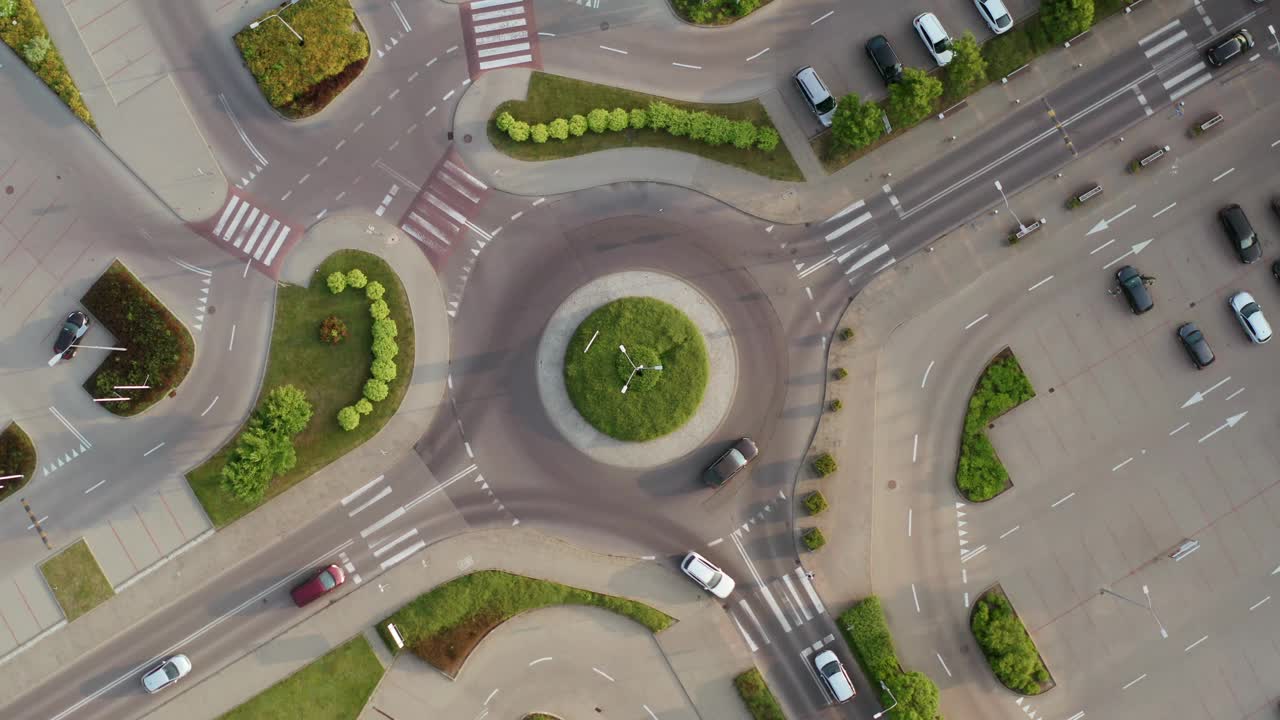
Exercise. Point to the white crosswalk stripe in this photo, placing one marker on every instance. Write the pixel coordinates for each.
(438, 216)
(242, 224)
(502, 33)
(1181, 75)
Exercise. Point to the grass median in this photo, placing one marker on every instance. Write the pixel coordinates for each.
(715, 12)
(300, 77)
(866, 629)
(758, 697)
(552, 96)
(22, 29)
(443, 626)
(658, 401)
(76, 580)
(332, 376)
(334, 687)
(980, 475)
(17, 457)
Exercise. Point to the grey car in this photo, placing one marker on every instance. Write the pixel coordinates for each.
(1134, 289)
(730, 463)
(1196, 346)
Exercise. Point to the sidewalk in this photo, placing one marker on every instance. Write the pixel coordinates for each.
(701, 648)
(777, 201)
(295, 508)
(129, 90)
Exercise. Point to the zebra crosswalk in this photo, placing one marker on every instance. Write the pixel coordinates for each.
(1186, 71)
(499, 33)
(249, 230)
(799, 604)
(851, 238)
(438, 216)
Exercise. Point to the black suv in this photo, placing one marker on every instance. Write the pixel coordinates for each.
(1134, 289)
(1227, 50)
(885, 59)
(1241, 234)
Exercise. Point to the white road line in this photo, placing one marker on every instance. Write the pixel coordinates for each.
(750, 643)
(815, 267)
(94, 487)
(973, 554)
(1033, 287)
(867, 258)
(1134, 681)
(361, 490)
(845, 211)
(944, 664)
(503, 50)
(490, 3)
(646, 707)
(915, 446)
(847, 226)
(1234, 394)
(240, 130)
(752, 614)
(1117, 467)
(1224, 174)
(206, 410)
(385, 491)
(505, 12)
(385, 548)
(385, 521)
(152, 450)
(715, 542)
(1275, 143)
(1192, 645)
(1153, 36)
(764, 589)
(792, 589)
(925, 379)
(691, 67)
(1183, 426)
(603, 674)
(307, 177)
(400, 14)
(753, 57)
(233, 338)
(495, 692)
(539, 660)
(409, 505)
(791, 606)
(1010, 531)
(391, 561)
(1166, 209)
(1077, 716)
(1068, 497)
(975, 322)
(1190, 86)
(1258, 604)
(824, 17)
(808, 588)
(504, 62)
(615, 50)
(915, 597)
(1164, 44)
(131, 674)
(910, 516)
(1103, 245)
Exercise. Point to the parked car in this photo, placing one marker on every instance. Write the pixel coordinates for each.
(816, 94)
(995, 14)
(1249, 313)
(1241, 233)
(1134, 289)
(319, 584)
(934, 37)
(1196, 346)
(73, 328)
(711, 578)
(730, 463)
(1228, 49)
(169, 671)
(835, 677)
(885, 59)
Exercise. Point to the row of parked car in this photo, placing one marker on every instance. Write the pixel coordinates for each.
(1248, 247)
(936, 41)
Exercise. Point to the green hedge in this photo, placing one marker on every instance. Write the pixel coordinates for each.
(22, 29)
(714, 130)
(824, 465)
(715, 12)
(867, 631)
(1007, 646)
(300, 79)
(17, 457)
(979, 473)
(160, 349)
(384, 347)
(757, 696)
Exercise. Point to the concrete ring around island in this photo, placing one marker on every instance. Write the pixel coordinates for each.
(722, 379)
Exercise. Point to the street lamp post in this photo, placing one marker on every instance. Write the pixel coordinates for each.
(254, 26)
(881, 714)
(1148, 607)
(999, 187)
(634, 368)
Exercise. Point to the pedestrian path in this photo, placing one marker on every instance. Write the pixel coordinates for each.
(786, 602)
(852, 244)
(438, 216)
(500, 33)
(247, 229)
(1179, 66)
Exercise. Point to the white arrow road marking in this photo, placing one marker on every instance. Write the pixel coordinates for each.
(1133, 250)
(1104, 224)
(1231, 422)
(1199, 396)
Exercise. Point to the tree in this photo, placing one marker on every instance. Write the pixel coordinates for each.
(379, 309)
(375, 389)
(619, 119)
(363, 406)
(967, 69)
(911, 99)
(374, 290)
(558, 129)
(286, 410)
(384, 370)
(638, 119)
(348, 418)
(767, 139)
(744, 134)
(385, 327)
(539, 133)
(856, 124)
(356, 278)
(385, 348)
(917, 696)
(519, 131)
(337, 282)
(504, 121)
(660, 114)
(1065, 19)
(598, 120)
(577, 125)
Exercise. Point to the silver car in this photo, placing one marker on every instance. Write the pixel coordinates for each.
(1249, 313)
(711, 578)
(169, 671)
(834, 675)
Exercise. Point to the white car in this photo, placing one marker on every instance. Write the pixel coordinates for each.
(834, 675)
(169, 671)
(1251, 318)
(711, 578)
(995, 14)
(936, 40)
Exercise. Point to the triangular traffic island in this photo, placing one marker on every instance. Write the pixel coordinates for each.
(1008, 647)
(980, 476)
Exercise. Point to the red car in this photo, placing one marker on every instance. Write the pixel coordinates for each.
(319, 584)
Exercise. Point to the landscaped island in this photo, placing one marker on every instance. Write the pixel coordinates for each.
(980, 475)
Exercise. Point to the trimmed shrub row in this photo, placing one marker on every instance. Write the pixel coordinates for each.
(264, 449)
(867, 631)
(712, 129)
(979, 473)
(384, 347)
(757, 696)
(160, 350)
(1007, 646)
